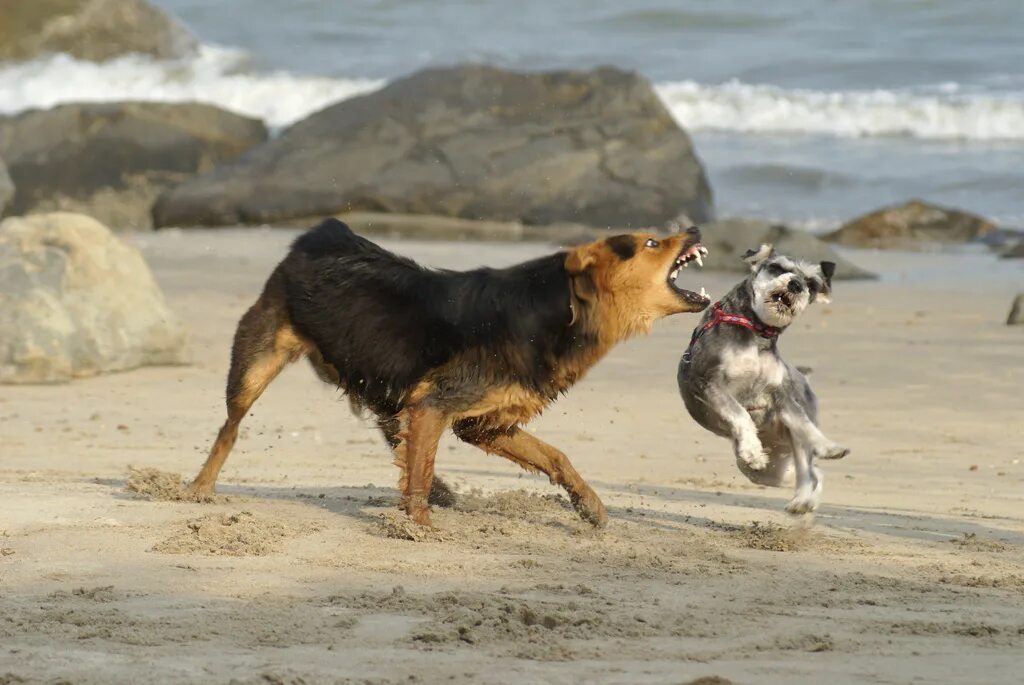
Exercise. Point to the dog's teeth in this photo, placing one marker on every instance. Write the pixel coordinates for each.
(674, 273)
(703, 293)
(703, 249)
(699, 260)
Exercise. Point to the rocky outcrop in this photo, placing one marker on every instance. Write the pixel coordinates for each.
(1016, 315)
(95, 30)
(111, 160)
(474, 142)
(6, 187)
(76, 301)
(728, 240)
(915, 225)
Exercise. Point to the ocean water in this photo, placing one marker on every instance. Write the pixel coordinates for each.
(807, 111)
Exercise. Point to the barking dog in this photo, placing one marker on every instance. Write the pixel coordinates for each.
(736, 385)
(480, 352)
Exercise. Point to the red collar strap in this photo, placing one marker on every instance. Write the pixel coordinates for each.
(719, 317)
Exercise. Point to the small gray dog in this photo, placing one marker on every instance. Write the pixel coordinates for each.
(736, 385)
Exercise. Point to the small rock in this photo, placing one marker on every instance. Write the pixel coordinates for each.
(727, 240)
(1016, 316)
(6, 187)
(915, 225)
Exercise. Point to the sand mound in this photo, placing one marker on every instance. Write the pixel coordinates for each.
(234, 535)
(518, 504)
(154, 484)
(395, 524)
(775, 538)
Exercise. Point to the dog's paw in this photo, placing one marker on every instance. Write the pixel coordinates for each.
(197, 492)
(752, 454)
(832, 451)
(590, 508)
(803, 503)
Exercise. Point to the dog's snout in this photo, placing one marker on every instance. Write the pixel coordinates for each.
(794, 286)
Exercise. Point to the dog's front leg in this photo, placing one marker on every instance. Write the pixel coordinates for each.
(421, 428)
(535, 455)
(741, 427)
(803, 429)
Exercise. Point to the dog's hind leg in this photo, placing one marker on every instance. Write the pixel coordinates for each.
(804, 429)
(536, 455)
(809, 480)
(264, 343)
(420, 428)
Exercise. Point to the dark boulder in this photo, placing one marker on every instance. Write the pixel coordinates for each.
(111, 160)
(475, 142)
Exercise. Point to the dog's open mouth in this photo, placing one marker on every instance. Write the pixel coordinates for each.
(692, 252)
(783, 298)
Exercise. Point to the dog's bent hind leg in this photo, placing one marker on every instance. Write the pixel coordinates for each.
(536, 455)
(809, 480)
(264, 343)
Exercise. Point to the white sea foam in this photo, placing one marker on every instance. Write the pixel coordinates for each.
(741, 107)
(221, 76)
(216, 76)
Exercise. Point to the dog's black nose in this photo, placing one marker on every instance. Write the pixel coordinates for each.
(794, 286)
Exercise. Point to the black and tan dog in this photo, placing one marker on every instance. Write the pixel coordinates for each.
(481, 352)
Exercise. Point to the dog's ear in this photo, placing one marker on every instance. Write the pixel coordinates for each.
(755, 257)
(580, 259)
(824, 295)
(827, 269)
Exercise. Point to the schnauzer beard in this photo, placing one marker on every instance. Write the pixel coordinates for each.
(770, 298)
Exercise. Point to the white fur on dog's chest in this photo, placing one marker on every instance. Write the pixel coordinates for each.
(750, 366)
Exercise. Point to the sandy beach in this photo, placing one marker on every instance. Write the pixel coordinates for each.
(913, 569)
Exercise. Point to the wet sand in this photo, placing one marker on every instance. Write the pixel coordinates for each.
(302, 572)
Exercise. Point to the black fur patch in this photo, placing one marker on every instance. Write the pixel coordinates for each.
(385, 323)
(624, 246)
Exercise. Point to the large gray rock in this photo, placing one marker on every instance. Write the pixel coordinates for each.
(475, 142)
(6, 187)
(729, 239)
(915, 225)
(111, 160)
(95, 30)
(76, 301)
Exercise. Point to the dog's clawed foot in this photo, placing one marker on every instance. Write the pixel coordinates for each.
(198, 492)
(752, 454)
(803, 503)
(416, 508)
(832, 451)
(590, 508)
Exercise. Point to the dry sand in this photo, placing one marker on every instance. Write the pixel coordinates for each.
(301, 572)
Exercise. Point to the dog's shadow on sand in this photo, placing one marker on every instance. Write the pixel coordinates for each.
(363, 504)
(889, 522)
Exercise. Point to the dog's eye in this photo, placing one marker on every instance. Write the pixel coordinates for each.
(651, 242)
(812, 288)
(774, 270)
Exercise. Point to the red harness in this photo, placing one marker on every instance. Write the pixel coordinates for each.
(719, 317)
